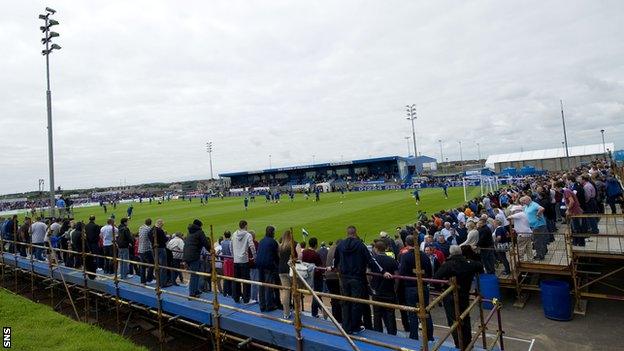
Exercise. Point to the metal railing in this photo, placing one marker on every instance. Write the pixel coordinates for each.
(297, 292)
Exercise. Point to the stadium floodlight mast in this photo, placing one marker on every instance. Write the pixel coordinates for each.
(441, 154)
(565, 135)
(604, 146)
(461, 156)
(270, 165)
(209, 151)
(49, 47)
(411, 116)
(407, 139)
(479, 152)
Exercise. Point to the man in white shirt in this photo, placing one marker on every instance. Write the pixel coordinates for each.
(108, 234)
(176, 246)
(428, 241)
(461, 216)
(524, 233)
(38, 231)
(450, 235)
(55, 227)
(500, 215)
(446, 231)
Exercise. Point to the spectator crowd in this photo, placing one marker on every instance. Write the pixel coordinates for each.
(458, 242)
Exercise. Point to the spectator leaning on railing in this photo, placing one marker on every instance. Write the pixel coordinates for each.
(267, 262)
(195, 241)
(176, 246)
(463, 270)
(407, 267)
(351, 259)
(242, 247)
(145, 252)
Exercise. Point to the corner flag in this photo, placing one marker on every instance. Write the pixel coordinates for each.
(304, 233)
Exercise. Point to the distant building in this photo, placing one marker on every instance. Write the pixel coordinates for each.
(423, 164)
(175, 186)
(548, 159)
(381, 169)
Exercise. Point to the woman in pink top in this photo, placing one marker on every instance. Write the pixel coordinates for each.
(573, 207)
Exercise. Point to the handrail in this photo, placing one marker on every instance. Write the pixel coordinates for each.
(325, 310)
(307, 290)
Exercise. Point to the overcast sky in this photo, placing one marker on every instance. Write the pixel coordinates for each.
(139, 87)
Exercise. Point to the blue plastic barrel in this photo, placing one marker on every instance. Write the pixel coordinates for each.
(490, 289)
(556, 300)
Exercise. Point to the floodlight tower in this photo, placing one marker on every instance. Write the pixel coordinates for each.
(461, 156)
(441, 154)
(49, 47)
(565, 135)
(411, 116)
(209, 151)
(604, 146)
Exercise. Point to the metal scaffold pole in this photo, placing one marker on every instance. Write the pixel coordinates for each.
(215, 292)
(296, 296)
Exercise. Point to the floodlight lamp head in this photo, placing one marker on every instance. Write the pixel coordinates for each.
(55, 47)
(45, 52)
(53, 35)
(53, 22)
(52, 11)
(43, 28)
(43, 17)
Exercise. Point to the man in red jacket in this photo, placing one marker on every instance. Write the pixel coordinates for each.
(309, 255)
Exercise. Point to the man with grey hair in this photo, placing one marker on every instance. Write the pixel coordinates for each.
(524, 234)
(463, 270)
(455, 250)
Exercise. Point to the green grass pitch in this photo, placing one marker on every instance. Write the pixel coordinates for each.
(37, 327)
(370, 211)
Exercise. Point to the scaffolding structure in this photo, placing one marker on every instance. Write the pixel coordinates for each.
(17, 271)
(586, 267)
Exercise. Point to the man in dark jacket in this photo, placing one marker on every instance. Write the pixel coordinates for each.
(159, 241)
(464, 271)
(384, 290)
(486, 246)
(407, 266)
(10, 228)
(77, 243)
(351, 258)
(92, 232)
(267, 261)
(195, 241)
(22, 236)
(124, 241)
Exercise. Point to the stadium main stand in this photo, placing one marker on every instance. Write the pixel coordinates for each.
(394, 169)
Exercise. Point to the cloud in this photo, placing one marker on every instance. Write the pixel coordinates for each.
(139, 87)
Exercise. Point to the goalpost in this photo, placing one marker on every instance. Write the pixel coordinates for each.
(487, 184)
